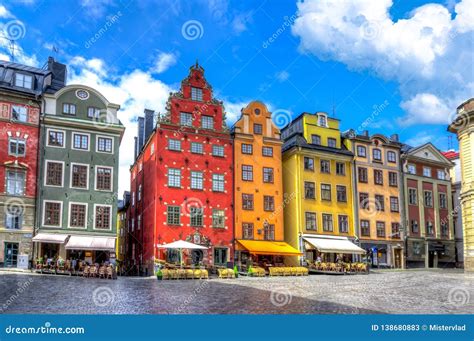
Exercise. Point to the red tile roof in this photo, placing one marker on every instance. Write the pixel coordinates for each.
(451, 154)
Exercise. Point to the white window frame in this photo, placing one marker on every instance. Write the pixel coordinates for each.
(427, 169)
(46, 173)
(24, 75)
(59, 131)
(443, 177)
(325, 120)
(88, 141)
(69, 215)
(110, 218)
(104, 137)
(19, 106)
(60, 214)
(409, 166)
(70, 175)
(111, 179)
(17, 140)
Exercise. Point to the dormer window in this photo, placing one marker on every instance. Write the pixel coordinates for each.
(69, 109)
(322, 120)
(93, 112)
(196, 94)
(23, 81)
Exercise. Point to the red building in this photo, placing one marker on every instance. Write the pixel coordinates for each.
(428, 207)
(182, 180)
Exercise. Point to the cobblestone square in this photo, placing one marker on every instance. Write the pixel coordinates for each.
(391, 292)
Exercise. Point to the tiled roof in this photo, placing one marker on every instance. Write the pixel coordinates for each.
(451, 154)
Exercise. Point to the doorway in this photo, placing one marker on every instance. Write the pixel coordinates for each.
(11, 255)
(431, 256)
(220, 256)
(398, 258)
(197, 257)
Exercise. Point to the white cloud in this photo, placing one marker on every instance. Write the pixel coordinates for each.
(419, 139)
(134, 91)
(233, 110)
(282, 76)
(164, 61)
(95, 8)
(4, 13)
(428, 53)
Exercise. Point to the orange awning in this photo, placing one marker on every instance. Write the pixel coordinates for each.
(266, 247)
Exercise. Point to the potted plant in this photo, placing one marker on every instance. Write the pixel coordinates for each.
(236, 271)
(159, 274)
(250, 271)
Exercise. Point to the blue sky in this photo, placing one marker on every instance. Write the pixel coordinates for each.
(399, 66)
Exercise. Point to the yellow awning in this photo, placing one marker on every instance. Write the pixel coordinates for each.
(266, 247)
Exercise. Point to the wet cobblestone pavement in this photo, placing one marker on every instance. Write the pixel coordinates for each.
(403, 292)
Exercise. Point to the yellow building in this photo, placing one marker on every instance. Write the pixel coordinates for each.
(378, 199)
(463, 126)
(258, 201)
(121, 230)
(317, 176)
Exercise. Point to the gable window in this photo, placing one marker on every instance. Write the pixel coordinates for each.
(79, 176)
(174, 145)
(326, 192)
(341, 193)
(196, 180)
(19, 113)
(93, 112)
(327, 223)
(376, 154)
(247, 173)
(54, 173)
(186, 119)
(218, 218)
(365, 228)
(247, 229)
(412, 196)
(310, 221)
(442, 201)
(428, 198)
(196, 214)
(322, 120)
(104, 144)
(362, 173)
(15, 182)
(173, 215)
(257, 129)
(379, 202)
(332, 142)
(16, 147)
(378, 177)
(196, 148)
(380, 225)
(218, 182)
(104, 178)
(427, 172)
(103, 217)
(267, 175)
(80, 141)
(55, 138)
(207, 122)
(218, 151)
(316, 139)
(393, 179)
(391, 157)
(13, 217)
(23, 81)
(325, 166)
(411, 169)
(340, 168)
(52, 213)
(247, 201)
(309, 190)
(268, 203)
(308, 163)
(196, 94)
(69, 109)
(361, 151)
(394, 206)
(77, 215)
(343, 221)
(247, 148)
(267, 151)
(269, 232)
(174, 177)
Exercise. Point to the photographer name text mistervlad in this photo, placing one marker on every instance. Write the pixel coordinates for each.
(447, 328)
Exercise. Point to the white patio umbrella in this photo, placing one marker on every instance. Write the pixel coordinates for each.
(180, 245)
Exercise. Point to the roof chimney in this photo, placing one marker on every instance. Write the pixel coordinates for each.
(394, 137)
(59, 74)
(365, 133)
(140, 134)
(149, 123)
(135, 150)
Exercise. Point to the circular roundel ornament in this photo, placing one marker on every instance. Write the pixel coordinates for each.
(82, 94)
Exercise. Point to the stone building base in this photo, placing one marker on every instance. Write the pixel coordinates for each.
(469, 263)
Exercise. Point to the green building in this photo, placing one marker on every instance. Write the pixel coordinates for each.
(80, 137)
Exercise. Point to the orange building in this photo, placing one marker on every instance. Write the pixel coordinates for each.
(258, 189)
